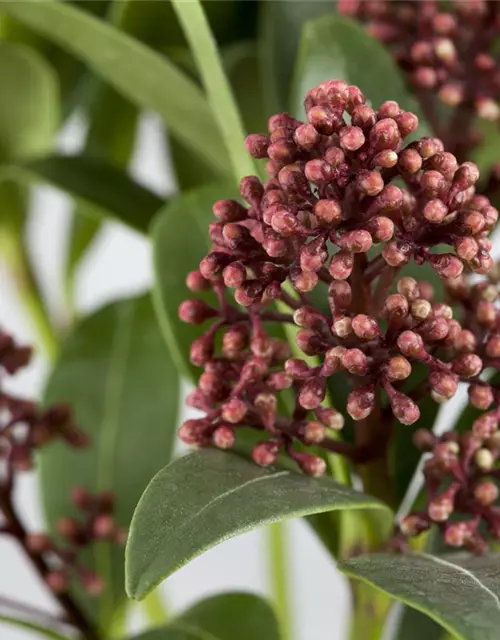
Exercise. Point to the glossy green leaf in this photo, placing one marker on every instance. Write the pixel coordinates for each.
(29, 109)
(136, 71)
(117, 375)
(200, 500)
(204, 49)
(223, 617)
(110, 137)
(180, 241)
(460, 593)
(100, 184)
(414, 625)
(281, 26)
(336, 47)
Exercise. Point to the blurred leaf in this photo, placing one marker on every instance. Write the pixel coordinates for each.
(117, 375)
(460, 593)
(28, 625)
(217, 88)
(414, 625)
(485, 154)
(136, 71)
(29, 109)
(201, 500)
(180, 241)
(222, 617)
(281, 26)
(98, 183)
(336, 47)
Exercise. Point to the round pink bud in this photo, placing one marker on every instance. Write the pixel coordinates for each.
(446, 265)
(196, 282)
(444, 384)
(396, 306)
(493, 346)
(104, 526)
(313, 432)
(196, 311)
(456, 534)
(465, 341)
(403, 408)
(440, 509)
(407, 123)
(57, 581)
(452, 94)
(319, 171)
(425, 77)
(297, 369)
(410, 161)
(363, 116)
(339, 295)
(234, 275)
(396, 253)
(466, 248)
(234, 410)
(331, 418)
(194, 432)
(387, 158)
(467, 365)
(420, 309)
(310, 342)
(424, 439)
(413, 525)
(435, 211)
(355, 241)
(333, 361)
(486, 493)
(223, 437)
(398, 368)
(488, 109)
(306, 136)
(341, 265)
(411, 344)
(389, 109)
(38, 542)
(266, 453)
(380, 228)
(485, 426)
(229, 211)
(481, 396)
(370, 183)
(355, 361)
(361, 402)
(312, 393)
(257, 145)
(385, 135)
(328, 212)
(313, 255)
(342, 327)
(365, 327)
(351, 138)
(433, 184)
(310, 464)
(67, 527)
(408, 287)
(303, 281)
(466, 175)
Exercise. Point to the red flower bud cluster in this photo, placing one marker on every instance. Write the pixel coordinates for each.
(332, 220)
(447, 50)
(461, 489)
(24, 428)
(62, 559)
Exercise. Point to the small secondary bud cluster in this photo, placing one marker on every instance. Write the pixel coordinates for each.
(24, 428)
(446, 50)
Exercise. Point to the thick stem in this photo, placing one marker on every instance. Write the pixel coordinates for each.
(73, 612)
(370, 609)
(277, 545)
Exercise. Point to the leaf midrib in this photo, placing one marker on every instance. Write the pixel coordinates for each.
(108, 436)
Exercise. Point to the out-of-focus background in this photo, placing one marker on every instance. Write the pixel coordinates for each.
(118, 265)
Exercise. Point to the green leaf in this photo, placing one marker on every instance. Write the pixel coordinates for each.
(108, 190)
(147, 79)
(223, 617)
(460, 593)
(414, 625)
(29, 109)
(207, 497)
(180, 241)
(204, 49)
(336, 47)
(280, 29)
(28, 625)
(116, 374)
(485, 154)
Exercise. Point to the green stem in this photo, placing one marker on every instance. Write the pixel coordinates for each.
(278, 567)
(155, 609)
(14, 253)
(370, 609)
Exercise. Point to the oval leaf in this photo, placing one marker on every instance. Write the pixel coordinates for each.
(337, 47)
(29, 109)
(95, 182)
(136, 71)
(222, 617)
(461, 594)
(116, 373)
(180, 240)
(209, 496)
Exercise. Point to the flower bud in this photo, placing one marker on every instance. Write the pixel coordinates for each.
(485, 426)
(365, 327)
(310, 464)
(396, 253)
(435, 211)
(306, 136)
(370, 183)
(409, 288)
(446, 265)
(361, 402)
(465, 341)
(413, 525)
(410, 161)
(351, 138)
(266, 453)
(328, 212)
(493, 346)
(57, 581)
(486, 493)
(467, 365)
(223, 437)
(341, 265)
(396, 307)
(481, 396)
(343, 327)
(196, 311)
(331, 418)
(385, 135)
(398, 368)
(355, 242)
(196, 282)
(313, 432)
(424, 439)
(403, 408)
(38, 543)
(312, 393)
(355, 361)
(229, 211)
(257, 145)
(411, 344)
(484, 459)
(444, 384)
(332, 361)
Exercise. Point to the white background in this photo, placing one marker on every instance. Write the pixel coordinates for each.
(120, 264)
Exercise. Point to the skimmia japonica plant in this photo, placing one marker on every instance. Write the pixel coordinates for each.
(326, 287)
